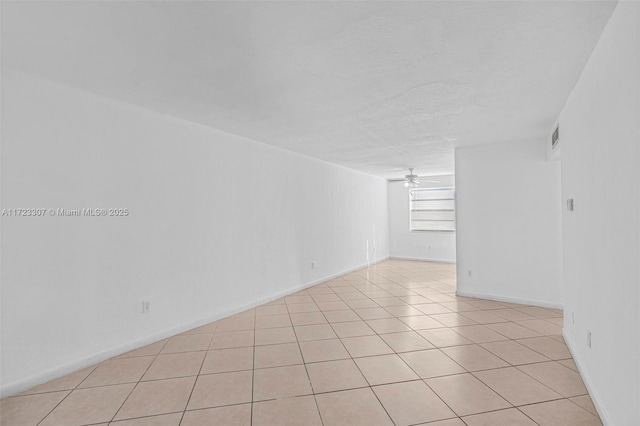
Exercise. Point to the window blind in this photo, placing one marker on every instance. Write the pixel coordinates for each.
(432, 209)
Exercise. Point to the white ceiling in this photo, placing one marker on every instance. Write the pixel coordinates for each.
(375, 86)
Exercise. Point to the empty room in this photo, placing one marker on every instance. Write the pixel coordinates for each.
(323, 213)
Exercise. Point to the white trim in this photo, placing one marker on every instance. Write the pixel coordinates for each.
(595, 397)
(57, 372)
(509, 299)
(424, 259)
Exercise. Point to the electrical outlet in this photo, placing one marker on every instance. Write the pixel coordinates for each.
(314, 264)
(469, 274)
(570, 204)
(146, 306)
(589, 339)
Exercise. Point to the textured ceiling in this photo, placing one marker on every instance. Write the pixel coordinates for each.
(375, 86)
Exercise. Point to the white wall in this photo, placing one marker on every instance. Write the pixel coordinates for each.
(433, 246)
(217, 224)
(509, 223)
(600, 138)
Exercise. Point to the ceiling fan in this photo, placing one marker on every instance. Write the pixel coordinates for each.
(412, 180)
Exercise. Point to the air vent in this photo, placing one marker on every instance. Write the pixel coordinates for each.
(555, 137)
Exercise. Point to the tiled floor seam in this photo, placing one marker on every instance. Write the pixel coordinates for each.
(114, 422)
(303, 360)
(57, 405)
(63, 399)
(253, 365)
(132, 389)
(195, 382)
(305, 369)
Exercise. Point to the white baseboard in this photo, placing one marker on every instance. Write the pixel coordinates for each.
(595, 397)
(509, 299)
(332, 276)
(423, 259)
(21, 385)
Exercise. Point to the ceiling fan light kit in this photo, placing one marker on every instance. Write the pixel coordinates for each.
(412, 180)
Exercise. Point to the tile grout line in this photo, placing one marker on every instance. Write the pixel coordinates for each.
(66, 396)
(253, 365)
(404, 362)
(418, 375)
(468, 372)
(138, 382)
(195, 382)
(313, 394)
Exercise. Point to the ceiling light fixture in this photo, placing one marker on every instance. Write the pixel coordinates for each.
(412, 180)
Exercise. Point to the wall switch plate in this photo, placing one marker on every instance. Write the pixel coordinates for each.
(314, 264)
(146, 306)
(573, 317)
(469, 274)
(589, 339)
(570, 204)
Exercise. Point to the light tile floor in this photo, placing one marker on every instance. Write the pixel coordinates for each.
(387, 345)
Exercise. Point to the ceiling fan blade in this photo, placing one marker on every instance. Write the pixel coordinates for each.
(412, 179)
(404, 179)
